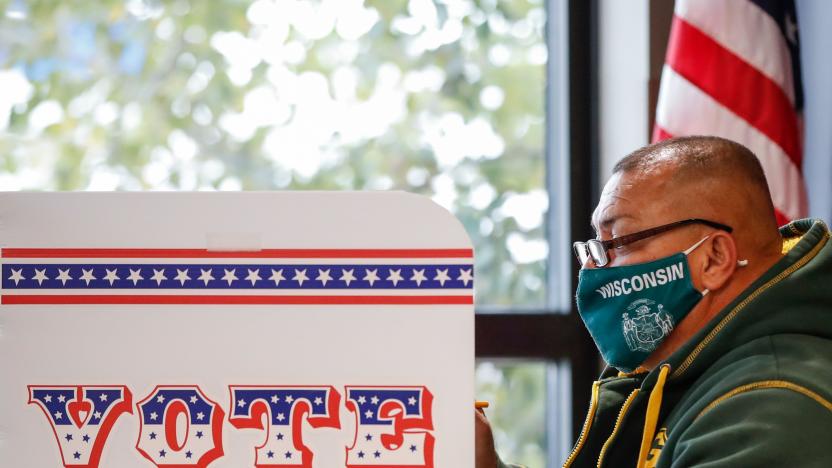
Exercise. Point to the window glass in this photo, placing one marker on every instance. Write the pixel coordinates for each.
(439, 97)
(516, 392)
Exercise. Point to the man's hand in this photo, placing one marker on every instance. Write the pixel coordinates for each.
(484, 441)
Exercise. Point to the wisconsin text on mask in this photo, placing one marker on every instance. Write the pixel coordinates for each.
(642, 281)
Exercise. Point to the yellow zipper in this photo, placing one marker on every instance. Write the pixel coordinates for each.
(621, 413)
(798, 264)
(590, 415)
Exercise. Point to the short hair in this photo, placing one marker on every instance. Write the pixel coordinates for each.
(698, 156)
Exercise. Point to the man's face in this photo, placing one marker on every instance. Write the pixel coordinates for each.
(632, 203)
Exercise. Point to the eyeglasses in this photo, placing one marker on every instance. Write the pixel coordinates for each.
(597, 249)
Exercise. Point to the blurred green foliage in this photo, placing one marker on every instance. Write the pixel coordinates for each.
(439, 98)
(516, 390)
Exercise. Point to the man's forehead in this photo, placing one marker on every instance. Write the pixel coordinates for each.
(629, 197)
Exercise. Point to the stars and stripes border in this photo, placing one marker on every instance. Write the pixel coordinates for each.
(276, 276)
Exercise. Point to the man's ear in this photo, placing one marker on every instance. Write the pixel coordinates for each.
(720, 260)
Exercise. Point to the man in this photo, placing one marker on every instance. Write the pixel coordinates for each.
(728, 359)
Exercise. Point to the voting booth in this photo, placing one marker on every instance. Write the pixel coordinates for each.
(234, 329)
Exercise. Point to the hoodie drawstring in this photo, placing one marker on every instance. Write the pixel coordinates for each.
(654, 405)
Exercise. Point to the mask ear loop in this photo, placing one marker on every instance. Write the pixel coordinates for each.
(690, 249)
(740, 263)
(694, 246)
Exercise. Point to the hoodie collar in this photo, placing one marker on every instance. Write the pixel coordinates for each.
(707, 345)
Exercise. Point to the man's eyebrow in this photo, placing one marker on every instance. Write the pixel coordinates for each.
(607, 222)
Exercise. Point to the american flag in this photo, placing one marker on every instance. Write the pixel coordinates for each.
(733, 70)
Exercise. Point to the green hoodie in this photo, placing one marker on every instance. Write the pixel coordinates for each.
(752, 388)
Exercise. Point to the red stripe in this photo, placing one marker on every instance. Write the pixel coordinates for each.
(251, 300)
(266, 253)
(660, 134)
(782, 219)
(735, 84)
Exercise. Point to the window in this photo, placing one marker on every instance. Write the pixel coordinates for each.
(440, 97)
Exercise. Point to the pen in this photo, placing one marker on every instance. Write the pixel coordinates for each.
(481, 404)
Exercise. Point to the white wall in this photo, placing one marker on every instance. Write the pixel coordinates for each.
(623, 59)
(814, 18)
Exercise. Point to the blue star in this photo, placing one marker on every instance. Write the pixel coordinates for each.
(198, 434)
(412, 448)
(360, 454)
(270, 454)
(279, 436)
(377, 454)
(68, 437)
(76, 455)
(369, 437)
(86, 438)
(188, 454)
(162, 453)
(152, 436)
(288, 454)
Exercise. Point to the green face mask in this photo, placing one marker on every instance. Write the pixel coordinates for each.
(630, 309)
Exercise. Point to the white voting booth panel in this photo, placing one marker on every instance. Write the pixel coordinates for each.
(234, 329)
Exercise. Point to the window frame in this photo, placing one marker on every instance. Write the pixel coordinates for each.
(555, 333)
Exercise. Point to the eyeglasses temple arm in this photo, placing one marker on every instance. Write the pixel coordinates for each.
(629, 239)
